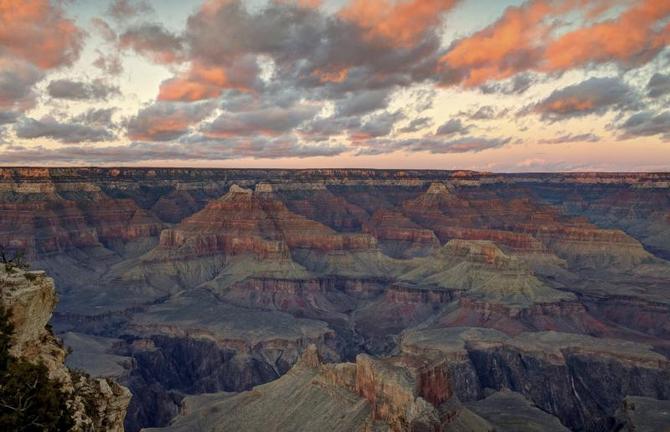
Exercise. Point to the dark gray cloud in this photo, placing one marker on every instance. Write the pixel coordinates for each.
(309, 49)
(109, 63)
(658, 85)
(8, 117)
(264, 121)
(325, 127)
(453, 127)
(125, 9)
(65, 132)
(647, 124)
(16, 85)
(107, 59)
(363, 102)
(593, 96)
(377, 125)
(96, 116)
(154, 42)
(78, 90)
(570, 138)
(514, 86)
(166, 121)
(417, 124)
(485, 112)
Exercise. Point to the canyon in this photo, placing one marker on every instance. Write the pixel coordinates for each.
(354, 300)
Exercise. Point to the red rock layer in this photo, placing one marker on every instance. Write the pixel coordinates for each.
(257, 223)
(564, 316)
(392, 226)
(49, 224)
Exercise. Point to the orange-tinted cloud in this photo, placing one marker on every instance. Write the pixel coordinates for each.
(402, 22)
(185, 89)
(524, 39)
(307, 4)
(37, 31)
(631, 38)
(333, 76)
(503, 49)
(165, 121)
(204, 81)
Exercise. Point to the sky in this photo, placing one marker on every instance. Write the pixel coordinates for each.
(488, 85)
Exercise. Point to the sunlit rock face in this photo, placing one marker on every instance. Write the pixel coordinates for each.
(355, 299)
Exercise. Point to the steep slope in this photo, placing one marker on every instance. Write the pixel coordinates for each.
(30, 297)
(580, 379)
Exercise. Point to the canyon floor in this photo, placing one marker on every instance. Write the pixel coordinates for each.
(358, 300)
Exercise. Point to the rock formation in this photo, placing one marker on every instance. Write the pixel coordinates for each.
(30, 297)
(435, 300)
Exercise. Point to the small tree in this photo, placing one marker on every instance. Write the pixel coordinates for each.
(13, 262)
(29, 400)
(6, 331)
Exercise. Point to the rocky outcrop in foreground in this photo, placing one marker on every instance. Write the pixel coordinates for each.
(30, 297)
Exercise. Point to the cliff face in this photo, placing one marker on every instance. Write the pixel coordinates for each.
(182, 281)
(30, 297)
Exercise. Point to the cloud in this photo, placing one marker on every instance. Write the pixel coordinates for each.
(453, 127)
(204, 81)
(401, 23)
(109, 63)
(308, 49)
(261, 147)
(571, 138)
(17, 79)
(154, 42)
(35, 37)
(107, 59)
(165, 121)
(485, 112)
(432, 144)
(8, 117)
(78, 90)
(459, 145)
(96, 116)
(595, 95)
(417, 124)
(647, 124)
(514, 86)
(67, 132)
(269, 121)
(377, 125)
(125, 9)
(363, 102)
(534, 37)
(633, 38)
(198, 148)
(36, 31)
(104, 29)
(658, 85)
(325, 127)
(509, 46)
